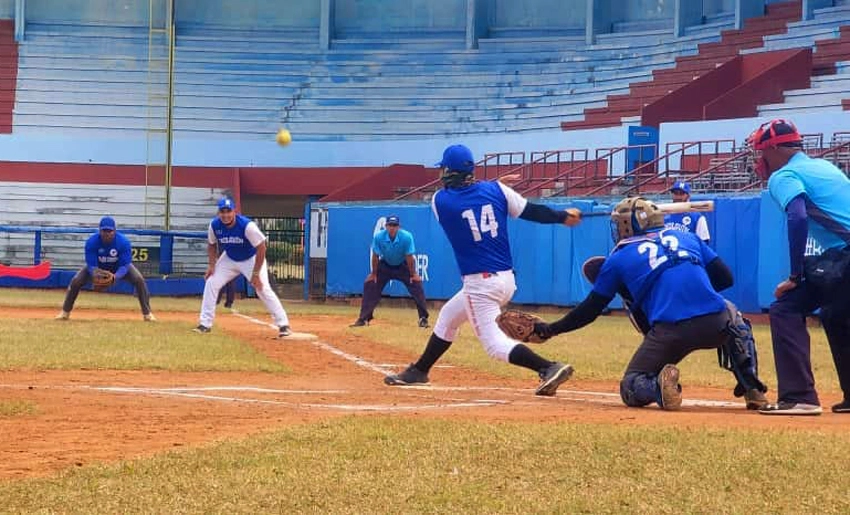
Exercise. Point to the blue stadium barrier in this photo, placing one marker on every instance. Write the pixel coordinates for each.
(547, 258)
(60, 278)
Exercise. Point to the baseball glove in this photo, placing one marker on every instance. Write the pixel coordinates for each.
(521, 326)
(102, 279)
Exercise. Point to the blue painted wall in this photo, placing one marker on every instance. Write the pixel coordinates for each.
(636, 10)
(539, 13)
(547, 258)
(390, 15)
(7, 9)
(107, 12)
(250, 13)
(710, 7)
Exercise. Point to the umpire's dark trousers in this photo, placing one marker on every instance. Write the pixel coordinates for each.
(792, 345)
(133, 276)
(386, 272)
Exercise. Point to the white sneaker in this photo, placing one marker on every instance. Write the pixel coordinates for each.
(63, 315)
(791, 408)
(150, 318)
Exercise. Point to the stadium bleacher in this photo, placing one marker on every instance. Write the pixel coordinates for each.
(235, 83)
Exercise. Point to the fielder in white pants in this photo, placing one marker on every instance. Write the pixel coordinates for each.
(243, 248)
(474, 217)
(225, 271)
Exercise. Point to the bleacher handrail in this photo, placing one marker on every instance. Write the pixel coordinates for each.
(92, 230)
(541, 159)
(482, 163)
(606, 153)
(683, 147)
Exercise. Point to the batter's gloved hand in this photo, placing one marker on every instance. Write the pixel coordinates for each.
(102, 279)
(524, 327)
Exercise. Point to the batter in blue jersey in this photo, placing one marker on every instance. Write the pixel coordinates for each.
(671, 279)
(109, 250)
(474, 216)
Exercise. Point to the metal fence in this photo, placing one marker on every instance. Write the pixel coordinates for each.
(285, 248)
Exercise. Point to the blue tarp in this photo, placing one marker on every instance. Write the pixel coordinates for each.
(548, 258)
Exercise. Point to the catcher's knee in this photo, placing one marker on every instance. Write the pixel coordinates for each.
(638, 389)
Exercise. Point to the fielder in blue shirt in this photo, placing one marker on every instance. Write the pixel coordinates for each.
(109, 250)
(671, 278)
(686, 222)
(392, 258)
(815, 196)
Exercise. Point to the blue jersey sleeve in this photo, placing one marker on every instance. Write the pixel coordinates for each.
(608, 282)
(707, 253)
(784, 186)
(125, 256)
(92, 245)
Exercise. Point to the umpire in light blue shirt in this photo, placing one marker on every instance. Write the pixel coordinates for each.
(392, 258)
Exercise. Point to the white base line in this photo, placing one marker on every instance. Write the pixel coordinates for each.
(322, 345)
(381, 369)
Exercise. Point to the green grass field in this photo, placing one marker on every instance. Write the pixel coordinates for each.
(396, 465)
(392, 464)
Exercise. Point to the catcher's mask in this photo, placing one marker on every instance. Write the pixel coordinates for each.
(458, 167)
(772, 134)
(635, 215)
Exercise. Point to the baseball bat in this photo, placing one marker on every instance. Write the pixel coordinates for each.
(34, 273)
(701, 206)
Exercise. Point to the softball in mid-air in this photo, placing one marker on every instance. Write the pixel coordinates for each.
(283, 138)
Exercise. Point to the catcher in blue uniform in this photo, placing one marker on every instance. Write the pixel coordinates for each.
(670, 279)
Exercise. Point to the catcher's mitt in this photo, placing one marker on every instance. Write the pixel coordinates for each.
(102, 279)
(521, 326)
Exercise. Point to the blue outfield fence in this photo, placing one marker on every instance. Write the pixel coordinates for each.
(73, 252)
(747, 232)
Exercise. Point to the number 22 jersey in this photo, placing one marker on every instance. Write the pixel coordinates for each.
(670, 291)
(474, 219)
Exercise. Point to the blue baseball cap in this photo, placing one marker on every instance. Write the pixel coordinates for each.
(392, 220)
(457, 158)
(107, 223)
(226, 203)
(681, 186)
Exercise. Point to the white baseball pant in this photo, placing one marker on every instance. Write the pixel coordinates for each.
(225, 271)
(480, 301)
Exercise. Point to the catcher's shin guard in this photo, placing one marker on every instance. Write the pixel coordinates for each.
(738, 353)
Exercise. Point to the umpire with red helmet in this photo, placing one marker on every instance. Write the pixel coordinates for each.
(392, 258)
(815, 196)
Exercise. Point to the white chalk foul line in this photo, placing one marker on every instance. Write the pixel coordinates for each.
(324, 346)
(381, 369)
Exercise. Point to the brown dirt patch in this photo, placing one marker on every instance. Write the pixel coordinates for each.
(90, 416)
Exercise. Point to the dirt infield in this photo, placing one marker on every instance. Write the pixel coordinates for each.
(90, 416)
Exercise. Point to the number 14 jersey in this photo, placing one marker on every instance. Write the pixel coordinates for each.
(474, 219)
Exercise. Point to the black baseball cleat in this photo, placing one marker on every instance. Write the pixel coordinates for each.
(423, 322)
(284, 331)
(842, 407)
(360, 323)
(552, 378)
(410, 375)
(202, 329)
